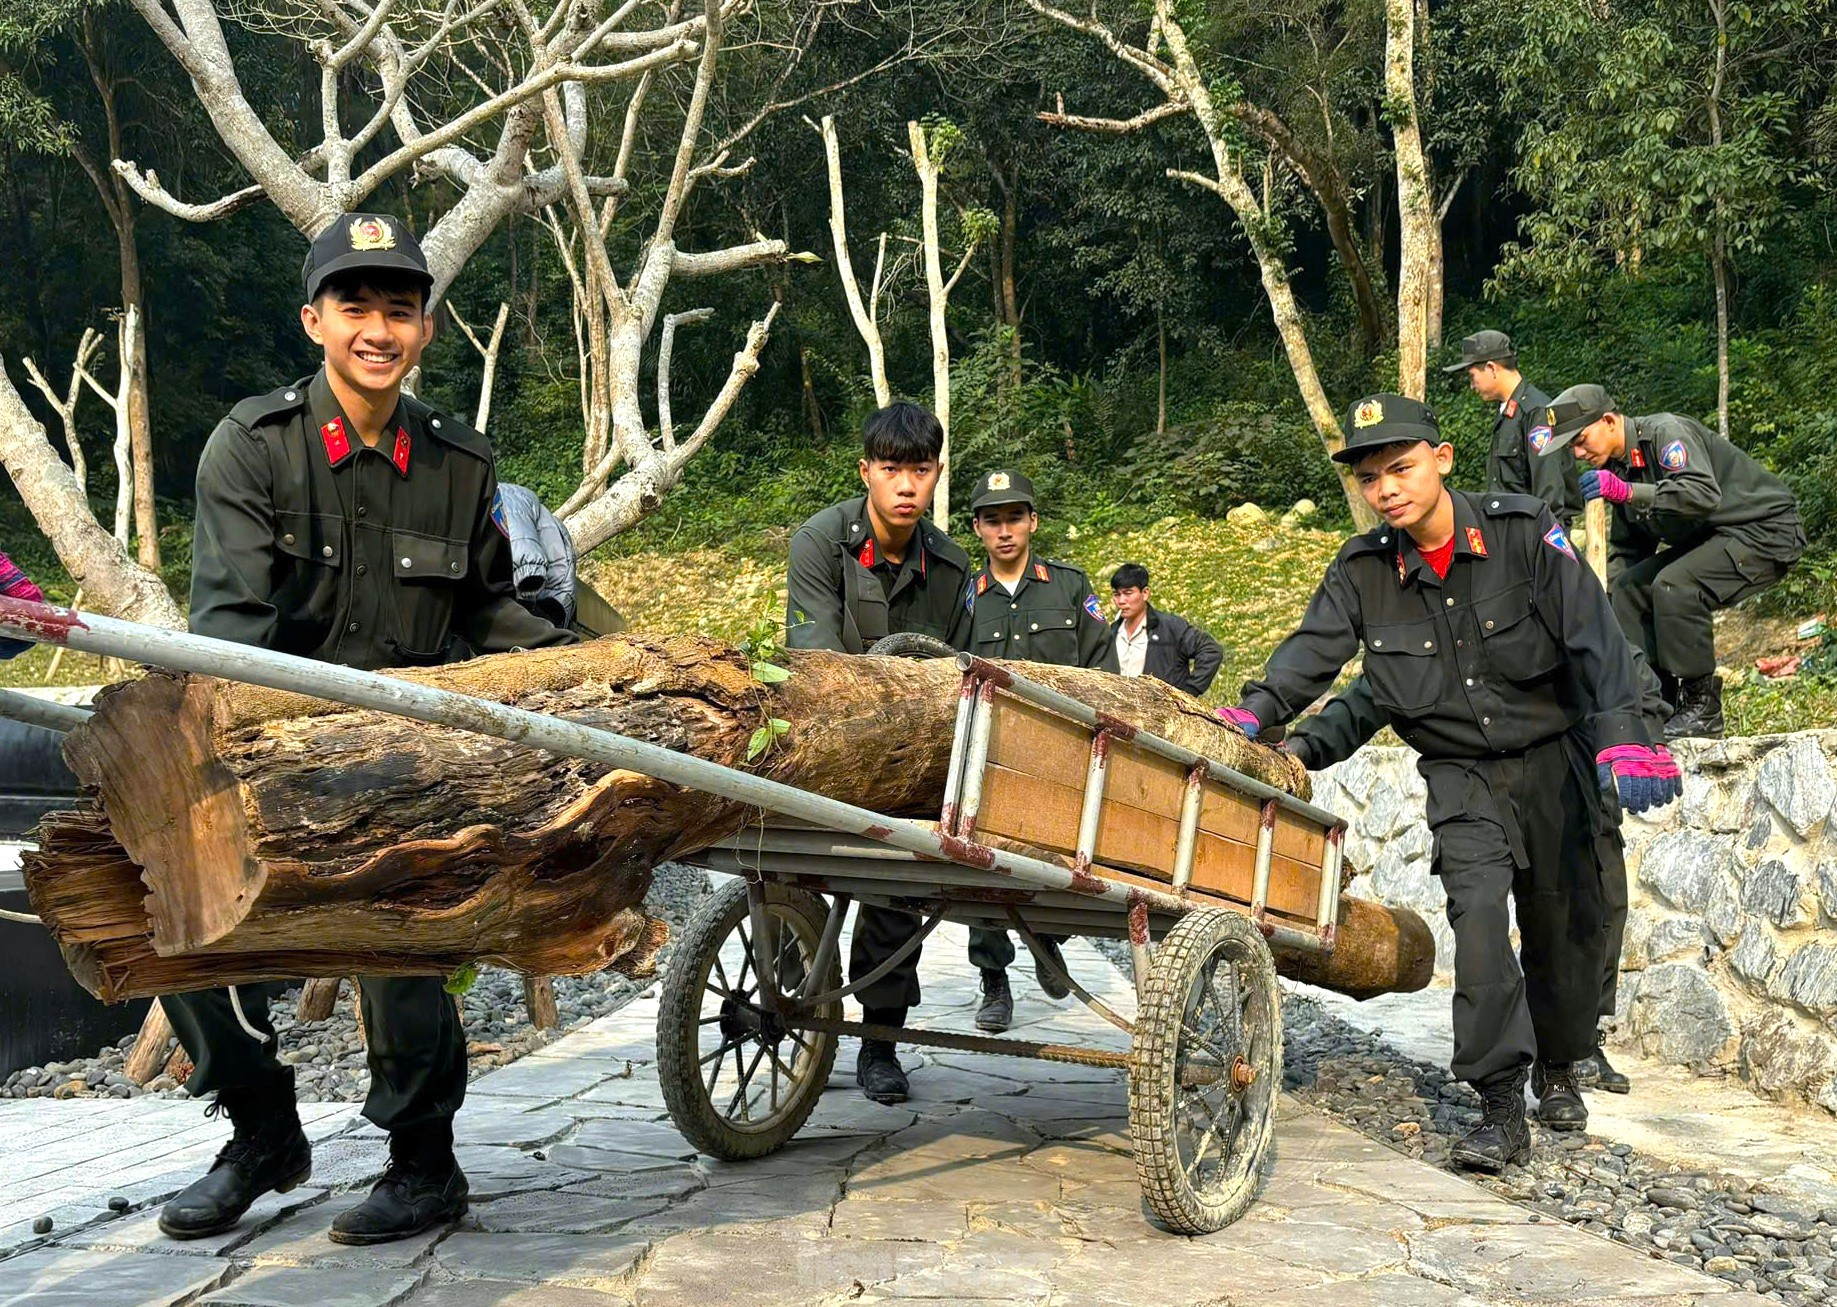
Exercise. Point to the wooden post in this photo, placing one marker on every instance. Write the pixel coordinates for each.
(1595, 523)
(148, 1056)
(318, 997)
(539, 998)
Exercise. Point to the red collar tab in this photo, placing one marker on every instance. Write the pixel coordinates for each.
(918, 543)
(868, 555)
(1511, 408)
(1476, 543)
(982, 583)
(1638, 457)
(1403, 572)
(399, 456)
(1040, 573)
(337, 443)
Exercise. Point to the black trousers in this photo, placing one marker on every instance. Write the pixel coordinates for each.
(1664, 602)
(878, 933)
(994, 950)
(1520, 829)
(417, 1047)
(1610, 858)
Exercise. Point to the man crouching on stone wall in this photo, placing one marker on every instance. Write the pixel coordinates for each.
(1486, 642)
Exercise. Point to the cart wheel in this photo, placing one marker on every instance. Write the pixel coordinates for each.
(737, 1082)
(1207, 1064)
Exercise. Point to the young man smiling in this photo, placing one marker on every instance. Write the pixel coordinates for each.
(862, 570)
(1486, 644)
(342, 520)
(1039, 611)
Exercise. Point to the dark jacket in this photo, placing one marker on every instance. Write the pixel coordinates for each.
(309, 542)
(1179, 653)
(1052, 617)
(1515, 463)
(1516, 646)
(841, 593)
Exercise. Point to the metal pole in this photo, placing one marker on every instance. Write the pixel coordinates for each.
(975, 762)
(1266, 847)
(1092, 812)
(959, 747)
(48, 713)
(1188, 842)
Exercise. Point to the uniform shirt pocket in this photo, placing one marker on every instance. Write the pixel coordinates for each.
(427, 571)
(1050, 635)
(1515, 643)
(1401, 664)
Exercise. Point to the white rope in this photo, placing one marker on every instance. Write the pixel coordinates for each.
(26, 917)
(242, 1018)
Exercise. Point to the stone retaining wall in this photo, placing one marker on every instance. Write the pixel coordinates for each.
(1730, 964)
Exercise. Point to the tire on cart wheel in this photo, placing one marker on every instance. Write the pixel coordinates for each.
(1206, 1068)
(737, 1083)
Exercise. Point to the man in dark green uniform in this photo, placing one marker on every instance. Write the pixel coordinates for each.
(1520, 435)
(1486, 643)
(342, 520)
(1039, 611)
(862, 570)
(1697, 525)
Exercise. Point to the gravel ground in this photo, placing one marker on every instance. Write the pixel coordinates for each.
(329, 1055)
(1770, 1244)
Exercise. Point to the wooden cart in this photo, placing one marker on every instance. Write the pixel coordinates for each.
(1198, 866)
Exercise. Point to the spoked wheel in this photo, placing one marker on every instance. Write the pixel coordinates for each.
(1207, 1067)
(737, 1081)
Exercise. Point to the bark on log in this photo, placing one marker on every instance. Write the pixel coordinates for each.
(240, 834)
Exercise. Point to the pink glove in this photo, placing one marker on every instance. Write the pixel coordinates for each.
(1242, 718)
(1605, 485)
(15, 584)
(1645, 777)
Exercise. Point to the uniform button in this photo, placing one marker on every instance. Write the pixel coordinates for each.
(407, 563)
(326, 550)
(1428, 644)
(363, 569)
(1070, 620)
(352, 628)
(436, 423)
(287, 539)
(1460, 644)
(1486, 721)
(363, 511)
(291, 396)
(1449, 602)
(1489, 626)
(1036, 626)
(1014, 605)
(1495, 503)
(1384, 540)
(1377, 644)
(453, 567)
(1470, 680)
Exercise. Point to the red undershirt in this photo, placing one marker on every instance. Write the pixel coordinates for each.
(1439, 559)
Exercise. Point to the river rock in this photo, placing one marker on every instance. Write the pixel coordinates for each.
(1796, 780)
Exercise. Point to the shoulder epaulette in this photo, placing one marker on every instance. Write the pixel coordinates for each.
(445, 427)
(1511, 505)
(1378, 540)
(944, 548)
(257, 409)
(1075, 570)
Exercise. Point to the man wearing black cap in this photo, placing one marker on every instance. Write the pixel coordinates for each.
(1486, 643)
(342, 520)
(862, 570)
(1697, 525)
(1039, 611)
(1520, 434)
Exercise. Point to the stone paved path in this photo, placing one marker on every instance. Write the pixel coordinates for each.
(1003, 1181)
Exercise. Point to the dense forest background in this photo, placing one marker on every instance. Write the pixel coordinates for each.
(1601, 175)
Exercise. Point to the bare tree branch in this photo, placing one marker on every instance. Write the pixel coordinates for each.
(666, 351)
(1169, 108)
(148, 188)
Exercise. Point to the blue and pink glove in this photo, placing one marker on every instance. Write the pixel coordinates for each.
(1646, 777)
(15, 584)
(1597, 484)
(1242, 718)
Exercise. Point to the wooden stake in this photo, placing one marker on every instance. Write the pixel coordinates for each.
(318, 997)
(539, 998)
(148, 1056)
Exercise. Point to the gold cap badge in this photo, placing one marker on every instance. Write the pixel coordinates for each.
(998, 481)
(371, 234)
(1368, 414)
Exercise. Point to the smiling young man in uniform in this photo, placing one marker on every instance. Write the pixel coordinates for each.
(862, 570)
(1039, 611)
(342, 520)
(1486, 644)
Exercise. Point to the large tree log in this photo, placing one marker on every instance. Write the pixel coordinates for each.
(241, 834)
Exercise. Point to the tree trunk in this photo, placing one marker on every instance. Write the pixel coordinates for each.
(1415, 209)
(938, 299)
(1007, 291)
(241, 834)
(139, 419)
(1161, 374)
(1719, 261)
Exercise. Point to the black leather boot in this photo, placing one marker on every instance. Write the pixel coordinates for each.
(1699, 709)
(421, 1188)
(1596, 1072)
(877, 1068)
(997, 1011)
(1050, 984)
(267, 1152)
(1559, 1097)
(1503, 1136)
